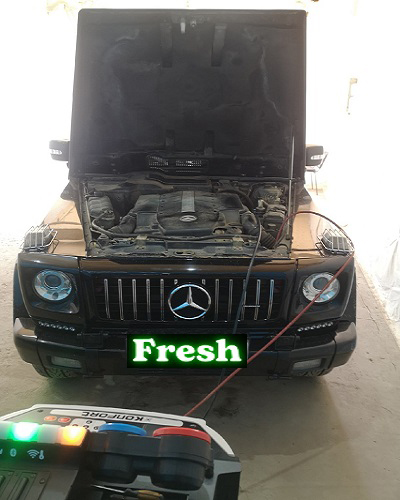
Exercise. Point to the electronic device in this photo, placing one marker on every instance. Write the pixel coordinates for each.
(57, 452)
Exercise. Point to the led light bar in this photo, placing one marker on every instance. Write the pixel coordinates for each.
(57, 326)
(315, 326)
(28, 432)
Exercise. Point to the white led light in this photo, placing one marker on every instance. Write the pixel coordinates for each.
(56, 326)
(316, 326)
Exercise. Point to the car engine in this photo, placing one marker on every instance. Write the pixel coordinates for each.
(147, 215)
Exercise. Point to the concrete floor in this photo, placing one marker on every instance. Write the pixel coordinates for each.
(337, 437)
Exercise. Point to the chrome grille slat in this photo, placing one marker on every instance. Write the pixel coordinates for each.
(271, 298)
(244, 302)
(106, 298)
(230, 300)
(144, 299)
(203, 282)
(148, 300)
(216, 300)
(162, 299)
(120, 300)
(258, 289)
(134, 299)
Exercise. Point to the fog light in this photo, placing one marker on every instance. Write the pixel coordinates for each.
(66, 362)
(307, 365)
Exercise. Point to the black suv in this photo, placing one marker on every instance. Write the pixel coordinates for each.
(187, 153)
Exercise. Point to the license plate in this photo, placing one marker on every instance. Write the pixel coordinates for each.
(187, 351)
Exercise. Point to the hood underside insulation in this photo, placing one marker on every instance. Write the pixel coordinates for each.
(211, 83)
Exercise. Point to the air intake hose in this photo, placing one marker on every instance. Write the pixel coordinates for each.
(127, 224)
(250, 226)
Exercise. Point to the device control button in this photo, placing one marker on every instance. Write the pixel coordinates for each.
(50, 418)
(131, 429)
(5, 428)
(48, 433)
(64, 420)
(182, 431)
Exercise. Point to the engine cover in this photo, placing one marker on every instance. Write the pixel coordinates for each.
(189, 213)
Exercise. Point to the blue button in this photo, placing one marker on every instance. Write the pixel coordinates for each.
(132, 429)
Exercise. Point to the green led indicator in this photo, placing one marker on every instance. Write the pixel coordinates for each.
(24, 431)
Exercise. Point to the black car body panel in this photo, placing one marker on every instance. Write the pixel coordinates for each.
(100, 344)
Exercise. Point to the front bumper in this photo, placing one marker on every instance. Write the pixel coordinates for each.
(334, 350)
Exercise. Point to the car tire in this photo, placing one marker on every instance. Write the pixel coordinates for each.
(55, 372)
(312, 373)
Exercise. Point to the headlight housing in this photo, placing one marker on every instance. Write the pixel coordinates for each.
(316, 282)
(52, 286)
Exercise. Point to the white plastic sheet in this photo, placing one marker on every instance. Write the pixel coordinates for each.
(386, 268)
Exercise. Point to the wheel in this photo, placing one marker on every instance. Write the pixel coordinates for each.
(312, 373)
(55, 372)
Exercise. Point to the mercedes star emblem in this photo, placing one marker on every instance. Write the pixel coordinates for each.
(189, 301)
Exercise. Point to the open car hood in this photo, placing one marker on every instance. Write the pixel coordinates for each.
(220, 90)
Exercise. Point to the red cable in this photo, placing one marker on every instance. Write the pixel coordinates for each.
(256, 354)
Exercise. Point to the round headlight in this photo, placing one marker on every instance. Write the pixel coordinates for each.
(316, 282)
(53, 286)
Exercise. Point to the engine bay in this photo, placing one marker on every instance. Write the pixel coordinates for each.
(151, 215)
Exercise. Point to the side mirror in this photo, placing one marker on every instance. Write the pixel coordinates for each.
(59, 150)
(314, 155)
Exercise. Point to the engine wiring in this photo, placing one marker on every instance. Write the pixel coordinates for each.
(111, 234)
(223, 382)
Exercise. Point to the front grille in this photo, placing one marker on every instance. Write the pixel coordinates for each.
(138, 299)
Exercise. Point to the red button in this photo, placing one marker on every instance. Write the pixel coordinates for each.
(182, 431)
(64, 420)
(50, 418)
